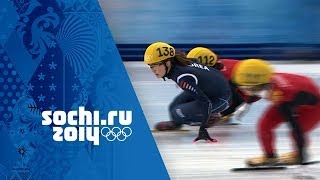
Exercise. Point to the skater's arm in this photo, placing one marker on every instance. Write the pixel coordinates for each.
(189, 84)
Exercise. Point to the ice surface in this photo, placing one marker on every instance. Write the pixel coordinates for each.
(187, 160)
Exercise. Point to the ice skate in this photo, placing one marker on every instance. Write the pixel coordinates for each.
(261, 161)
(290, 158)
(167, 126)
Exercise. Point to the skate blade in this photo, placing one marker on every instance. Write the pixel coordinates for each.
(278, 166)
(260, 168)
(311, 162)
(305, 163)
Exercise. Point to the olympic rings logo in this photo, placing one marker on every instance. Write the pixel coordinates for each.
(116, 133)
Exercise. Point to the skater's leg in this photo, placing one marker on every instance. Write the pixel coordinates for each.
(270, 120)
(308, 119)
(174, 123)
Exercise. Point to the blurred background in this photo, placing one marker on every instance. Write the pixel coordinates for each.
(270, 29)
(286, 32)
(214, 21)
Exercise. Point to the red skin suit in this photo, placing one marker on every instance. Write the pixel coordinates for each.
(285, 89)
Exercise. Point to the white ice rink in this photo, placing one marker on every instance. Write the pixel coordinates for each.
(187, 160)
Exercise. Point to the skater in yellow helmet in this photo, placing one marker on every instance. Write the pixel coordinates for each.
(205, 90)
(240, 102)
(295, 100)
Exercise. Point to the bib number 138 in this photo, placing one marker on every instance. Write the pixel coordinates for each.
(165, 51)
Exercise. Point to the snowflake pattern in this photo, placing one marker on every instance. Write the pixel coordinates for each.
(10, 88)
(52, 85)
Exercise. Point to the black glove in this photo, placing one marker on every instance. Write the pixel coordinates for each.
(204, 135)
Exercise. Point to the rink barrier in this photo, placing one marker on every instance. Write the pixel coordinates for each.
(268, 51)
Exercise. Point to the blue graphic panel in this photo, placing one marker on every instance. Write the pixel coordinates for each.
(60, 55)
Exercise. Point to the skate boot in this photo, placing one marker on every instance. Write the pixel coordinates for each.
(261, 161)
(167, 126)
(290, 158)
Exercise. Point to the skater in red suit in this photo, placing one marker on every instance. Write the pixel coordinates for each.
(295, 100)
(240, 102)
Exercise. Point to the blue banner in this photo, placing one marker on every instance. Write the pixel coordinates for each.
(67, 107)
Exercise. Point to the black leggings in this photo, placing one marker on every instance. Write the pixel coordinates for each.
(184, 109)
(237, 100)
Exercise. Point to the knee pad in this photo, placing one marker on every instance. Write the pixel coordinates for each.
(177, 115)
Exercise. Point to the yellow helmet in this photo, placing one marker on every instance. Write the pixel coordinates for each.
(252, 72)
(203, 55)
(158, 52)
